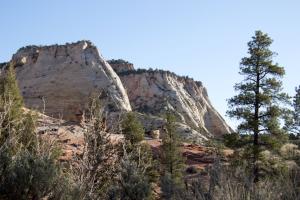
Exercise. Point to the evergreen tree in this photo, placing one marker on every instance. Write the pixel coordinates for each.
(137, 155)
(171, 159)
(28, 137)
(97, 166)
(293, 120)
(31, 175)
(10, 90)
(133, 181)
(28, 167)
(260, 95)
(11, 103)
(132, 129)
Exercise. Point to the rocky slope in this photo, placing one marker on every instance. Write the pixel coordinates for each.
(63, 78)
(154, 91)
(70, 137)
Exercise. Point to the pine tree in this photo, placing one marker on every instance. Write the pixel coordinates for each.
(260, 95)
(97, 166)
(132, 129)
(28, 167)
(137, 155)
(11, 103)
(27, 135)
(171, 158)
(133, 181)
(33, 175)
(10, 90)
(293, 120)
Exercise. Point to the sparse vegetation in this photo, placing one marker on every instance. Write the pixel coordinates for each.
(228, 183)
(119, 61)
(153, 71)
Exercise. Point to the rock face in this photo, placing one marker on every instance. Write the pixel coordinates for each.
(59, 80)
(154, 91)
(63, 78)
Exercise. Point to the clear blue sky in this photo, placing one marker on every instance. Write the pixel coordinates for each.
(204, 39)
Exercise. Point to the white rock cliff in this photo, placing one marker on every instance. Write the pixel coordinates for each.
(154, 91)
(60, 79)
(63, 78)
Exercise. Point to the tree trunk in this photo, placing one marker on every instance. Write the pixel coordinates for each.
(256, 127)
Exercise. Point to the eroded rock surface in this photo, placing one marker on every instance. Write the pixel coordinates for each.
(60, 79)
(153, 91)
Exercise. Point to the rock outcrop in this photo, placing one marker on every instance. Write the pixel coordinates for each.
(62, 78)
(58, 80)
(121, 66)
(154, 91)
